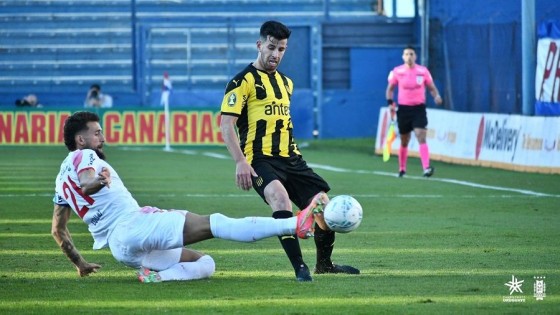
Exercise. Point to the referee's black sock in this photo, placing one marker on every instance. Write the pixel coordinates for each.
(290, 243)
(324, 241)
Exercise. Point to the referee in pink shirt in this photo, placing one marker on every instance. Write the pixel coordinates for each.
(412, 80)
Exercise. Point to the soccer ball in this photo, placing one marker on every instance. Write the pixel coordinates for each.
(343, 214)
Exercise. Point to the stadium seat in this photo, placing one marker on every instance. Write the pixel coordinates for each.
(56, 45)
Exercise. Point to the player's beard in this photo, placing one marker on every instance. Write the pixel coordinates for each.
(272, 67)
(264, 63)
(100, 154)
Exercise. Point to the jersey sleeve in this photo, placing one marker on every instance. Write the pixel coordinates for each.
(236, 96)
(86, 159)
(392, 79)
(427, 77)
(58, 200)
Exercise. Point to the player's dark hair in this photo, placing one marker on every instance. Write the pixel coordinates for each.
(74, 124)
(411, 48)
(275, 29)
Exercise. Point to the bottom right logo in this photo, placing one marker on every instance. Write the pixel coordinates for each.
(515, 284)
(539, 288)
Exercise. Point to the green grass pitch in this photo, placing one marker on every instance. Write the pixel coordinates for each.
(443, 245)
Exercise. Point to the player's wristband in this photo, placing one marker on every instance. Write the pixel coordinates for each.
(389, 102)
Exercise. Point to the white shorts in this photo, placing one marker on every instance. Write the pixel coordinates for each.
(149, 232)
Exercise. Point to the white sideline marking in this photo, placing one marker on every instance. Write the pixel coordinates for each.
(446, 180)
(332, 169)
(216, 155)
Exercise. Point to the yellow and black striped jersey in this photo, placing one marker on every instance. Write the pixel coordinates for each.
(261, 101)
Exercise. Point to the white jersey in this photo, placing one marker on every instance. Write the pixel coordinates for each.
(100, 211)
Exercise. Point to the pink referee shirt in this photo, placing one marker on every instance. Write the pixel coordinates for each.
(411, 83)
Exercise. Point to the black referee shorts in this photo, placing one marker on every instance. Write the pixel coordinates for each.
(300, 181)
(410, 117)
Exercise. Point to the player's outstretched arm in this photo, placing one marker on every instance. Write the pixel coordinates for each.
(61, 235)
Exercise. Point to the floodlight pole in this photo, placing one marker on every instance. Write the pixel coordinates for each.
(528, 56)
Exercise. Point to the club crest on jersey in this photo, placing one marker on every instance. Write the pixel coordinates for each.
(419, 79)
(232, 99)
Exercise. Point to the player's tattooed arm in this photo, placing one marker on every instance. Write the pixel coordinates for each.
(60, 233)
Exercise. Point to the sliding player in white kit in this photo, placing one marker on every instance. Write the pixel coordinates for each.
(146, 238)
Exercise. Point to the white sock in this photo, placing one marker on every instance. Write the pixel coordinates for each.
(204, 267)
(250, 229)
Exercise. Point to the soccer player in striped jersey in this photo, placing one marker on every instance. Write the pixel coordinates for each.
(267, 158)
(412, 80)
(147, 238)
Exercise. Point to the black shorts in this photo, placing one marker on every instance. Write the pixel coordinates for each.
(410, 117)
(300, 181)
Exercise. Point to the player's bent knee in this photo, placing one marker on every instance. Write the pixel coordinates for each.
(207, 266)
(162, 259)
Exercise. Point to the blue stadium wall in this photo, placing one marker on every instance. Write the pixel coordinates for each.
(475, 52)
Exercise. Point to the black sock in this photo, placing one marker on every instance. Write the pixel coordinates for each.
(290, 243)
(324, 241)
